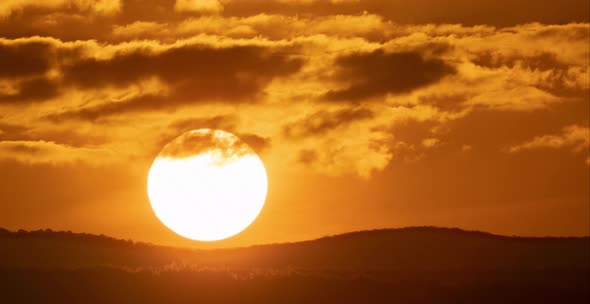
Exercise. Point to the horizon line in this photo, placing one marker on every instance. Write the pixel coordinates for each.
(325, 237)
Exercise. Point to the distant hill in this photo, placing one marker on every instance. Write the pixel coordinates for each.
(420, 264)
(425, 248)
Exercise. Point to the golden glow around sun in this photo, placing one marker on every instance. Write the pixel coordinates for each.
(207, 185)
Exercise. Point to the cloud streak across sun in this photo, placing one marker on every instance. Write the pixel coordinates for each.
(215, 142)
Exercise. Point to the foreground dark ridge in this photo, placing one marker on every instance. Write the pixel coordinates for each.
(409, 265)
(105, 238)
(416, 247)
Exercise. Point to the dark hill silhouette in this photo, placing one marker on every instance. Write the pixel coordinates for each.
(409, 265)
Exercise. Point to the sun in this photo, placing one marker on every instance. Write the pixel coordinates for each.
(207, 185)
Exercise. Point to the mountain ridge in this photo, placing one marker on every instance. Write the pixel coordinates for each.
(409, 265)
(405, 248)
(106, 238)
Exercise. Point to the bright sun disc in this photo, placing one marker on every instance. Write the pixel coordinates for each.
(207, 185)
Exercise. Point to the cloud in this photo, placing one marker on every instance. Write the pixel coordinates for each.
(258, 143)
(102, 7)
(226, 123)
(426, 11)
(361, 157)
(193, 73)
(573, 137)
(542, 61)
(554, 76)
(222, 145)
(514, 98)
(27, 69)
(24, 59)
(430, 142)
(211, 6)
(75, 138)
(374, 20)
(32, 90)
(47, 152)
(307, 156)
(371, 27)
(321, 122)
(220, 122)
(337, 141)
(145, 75)
(453, 12)
(139, 29)
(223, 72)
(379, 73)
(8, 129)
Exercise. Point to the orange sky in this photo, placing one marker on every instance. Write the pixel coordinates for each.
(367, 114)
